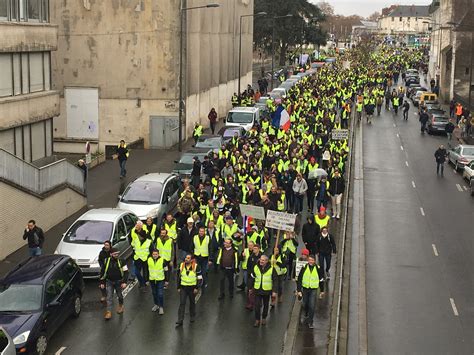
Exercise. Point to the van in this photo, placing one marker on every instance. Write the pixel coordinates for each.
(428, 98)
(245, 117)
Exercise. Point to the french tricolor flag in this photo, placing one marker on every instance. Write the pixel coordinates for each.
(281, 118)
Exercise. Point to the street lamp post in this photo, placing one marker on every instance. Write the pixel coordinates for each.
(240, 41)
(182, 10)
(273, 44)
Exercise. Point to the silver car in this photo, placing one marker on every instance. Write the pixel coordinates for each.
(461, 155)
(6, 343)
(84, 240)
(151, 195)
(468, 172)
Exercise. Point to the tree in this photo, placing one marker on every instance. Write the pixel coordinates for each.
(375, 16)
(326, 8)
(291, 31)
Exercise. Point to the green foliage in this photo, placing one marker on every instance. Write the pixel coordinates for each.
(303, 26)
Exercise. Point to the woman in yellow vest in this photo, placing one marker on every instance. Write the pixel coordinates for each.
(278, 262)
(262, 284)
(189, 281)
(307, 285)
(156, 277)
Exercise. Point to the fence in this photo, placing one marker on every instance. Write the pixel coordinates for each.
(40, 180)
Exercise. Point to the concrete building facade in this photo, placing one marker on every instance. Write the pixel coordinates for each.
(405, 20)
(27, 101)
(117, 63)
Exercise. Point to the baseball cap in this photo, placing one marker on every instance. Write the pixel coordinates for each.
(190, 220)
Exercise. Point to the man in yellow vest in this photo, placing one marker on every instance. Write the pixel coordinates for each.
(141, 248)
(278, 261)
(197, 132)
(307, 286)
(156, 277)
(262, 283)
(201, 245)
(165, 246)
(188, 283)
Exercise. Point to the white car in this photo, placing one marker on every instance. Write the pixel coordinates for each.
(468, 172)
(151, 195)
(84, 240)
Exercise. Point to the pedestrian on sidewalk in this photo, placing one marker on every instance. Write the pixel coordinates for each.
(212, 116)
(452, 107)
(103, 256)
(197, 132)
(458, 111)
(156, 276)
(35, 237)
(263, 284)
(406, 108)
(113, 276)
(122, 153)
(440, 156)
(81, 164)
(326, 246)
(449, 128)
(307, 286)
(228, 261)
(188, 283)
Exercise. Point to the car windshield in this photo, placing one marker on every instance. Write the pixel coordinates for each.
(213, 142)
(20, 298)
(230, 133)
(440, 119)
(186, 159)
(148, 192)
(89, 232)
(468, 151)
(240, 117)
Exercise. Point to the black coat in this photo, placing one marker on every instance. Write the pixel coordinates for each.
(196, 168)
(440, 155)
(185, 239)
(310, 233)
(336, 185)
(326, 245)
(35, 237)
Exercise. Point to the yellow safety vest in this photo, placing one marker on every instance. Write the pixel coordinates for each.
(321, 222)
(142, 250)
(279, 270)
(188, 276)
(171, 229)
(289, 246)
(156, 269)
(246, 258)
(134, 234)
(310, 278)
(165, 249)
(263, 281)
(201, 249)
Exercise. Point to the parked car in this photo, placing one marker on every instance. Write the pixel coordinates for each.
(428, 98)
(6, 343)
(416, 98)
(280, 91)
(468, 172)
(411, 91)
(151, 195)
(412, 79)
(434, 107)
(245, 117)
(209, 141)
(472, 187)
(184, 166)
(83, 241)
(437, 122)
(461, 155)
(229, 132)
(261, 104)
(37, 297)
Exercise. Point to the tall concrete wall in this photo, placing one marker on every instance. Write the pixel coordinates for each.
(129, 49)
(18, 207)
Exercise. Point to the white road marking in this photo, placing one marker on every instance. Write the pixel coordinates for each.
(435, 251)
(415, 114)
(454, 170)
(413, 184)
(453, 305)
(406, 163)
(394, 125)
(61, 349)
(464, 187)
(422, 211)
(401, 147)
(129, 287)
(459, 188)
(198, 296)
(398, 135)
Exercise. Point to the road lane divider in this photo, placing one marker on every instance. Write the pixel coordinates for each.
(464, 187)
(453, 306)
(406, 163)
(422, 211)
(129, 287)
(401, 147)
(61, 349)
(413, 184)
(459, 188)
(435, 250)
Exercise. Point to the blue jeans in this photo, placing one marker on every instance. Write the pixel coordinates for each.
(157, 292)
(139, 268)
(35, 251)
(122, 164)
(298, 203)
(309, 300)
(324, 262)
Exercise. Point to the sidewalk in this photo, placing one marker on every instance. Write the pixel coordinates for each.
(103, 186)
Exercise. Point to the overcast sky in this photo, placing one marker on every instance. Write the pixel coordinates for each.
(365, 8)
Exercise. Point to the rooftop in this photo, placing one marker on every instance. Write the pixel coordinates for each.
(410, 11)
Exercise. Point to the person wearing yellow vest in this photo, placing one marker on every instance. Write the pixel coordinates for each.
(139, 227)
(201, 246)
(197, 132)
(231, 230)
(322, 219)
(151, 228)
(228, 261)
(307, 287)
(288, 247)
(188, 283)
(165, 246)
(141, 248)
(278, 261)
(122, 153)
(262, 284)
(245, 258)
(156, 277)
(113, 278)
(170, 224)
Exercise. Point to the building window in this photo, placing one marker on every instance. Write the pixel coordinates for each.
(393, 19)
(401, 19)
(24, 10)
(22, 73)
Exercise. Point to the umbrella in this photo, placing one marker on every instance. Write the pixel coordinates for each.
(314, 174)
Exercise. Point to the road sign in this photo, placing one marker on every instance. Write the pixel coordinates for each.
(280, 221)
(340, 134)
(256, 212)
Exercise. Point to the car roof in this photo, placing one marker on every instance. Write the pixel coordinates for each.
(232, 128)
(154, 177)
(209, 136)
(197, 151)
(244, 109)
(103, 214)
(34, 270)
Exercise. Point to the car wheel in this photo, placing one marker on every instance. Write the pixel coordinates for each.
(76, 306)
(41, 344)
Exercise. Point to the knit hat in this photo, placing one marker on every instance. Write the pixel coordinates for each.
(190, 220)
(305, 252)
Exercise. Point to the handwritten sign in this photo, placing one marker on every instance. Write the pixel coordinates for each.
(280, 221)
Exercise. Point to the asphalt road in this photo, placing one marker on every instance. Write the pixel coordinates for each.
(419, 243)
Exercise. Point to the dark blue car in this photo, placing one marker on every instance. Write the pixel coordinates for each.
(37, 297)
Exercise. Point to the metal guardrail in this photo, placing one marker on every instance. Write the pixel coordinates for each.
(40, 180)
